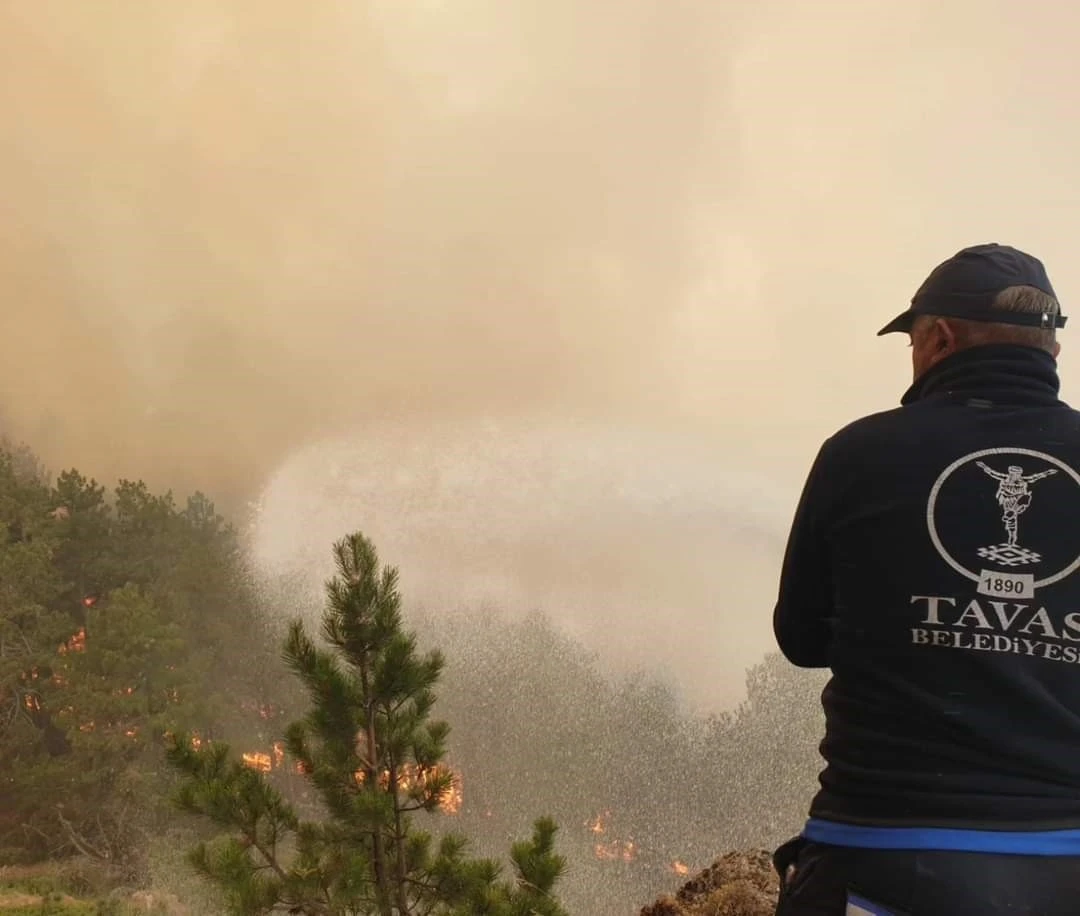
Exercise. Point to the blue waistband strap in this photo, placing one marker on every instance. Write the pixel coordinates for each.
(859, 906)
(1017, 842)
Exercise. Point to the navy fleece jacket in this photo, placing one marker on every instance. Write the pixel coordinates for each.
(934, 566)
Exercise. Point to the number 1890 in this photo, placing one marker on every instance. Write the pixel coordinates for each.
(1006, 585)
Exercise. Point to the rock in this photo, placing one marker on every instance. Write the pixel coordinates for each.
(736, 884)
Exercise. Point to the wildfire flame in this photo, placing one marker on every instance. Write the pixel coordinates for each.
(408, 776)
(449, 803)
(194, 739)
(597, 824)
(261, 762)
(626, 850)
(616, 849)
(77, 643)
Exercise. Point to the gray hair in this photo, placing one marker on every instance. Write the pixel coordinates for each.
(1014, 299)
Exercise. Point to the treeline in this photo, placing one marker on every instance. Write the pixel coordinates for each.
(127, 617)
(123, 615)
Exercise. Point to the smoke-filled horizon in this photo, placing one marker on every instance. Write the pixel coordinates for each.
(231, 229)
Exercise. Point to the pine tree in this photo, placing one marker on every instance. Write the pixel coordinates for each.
(112, 618)
(30, 629)
(373, 754)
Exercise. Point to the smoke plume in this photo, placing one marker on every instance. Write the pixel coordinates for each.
(234, 229)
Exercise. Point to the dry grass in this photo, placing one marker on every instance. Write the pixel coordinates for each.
(77, 887)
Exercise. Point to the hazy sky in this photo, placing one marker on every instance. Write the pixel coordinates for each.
(233, 227)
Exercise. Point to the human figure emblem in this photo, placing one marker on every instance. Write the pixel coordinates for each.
(1014, 497)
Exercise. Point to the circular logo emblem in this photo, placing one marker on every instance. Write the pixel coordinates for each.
(1007, 516)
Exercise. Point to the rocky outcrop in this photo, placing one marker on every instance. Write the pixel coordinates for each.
(736, 884)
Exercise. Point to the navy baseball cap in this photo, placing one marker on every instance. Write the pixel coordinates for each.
(965, 286)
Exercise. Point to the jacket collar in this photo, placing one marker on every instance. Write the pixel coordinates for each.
(999, 373)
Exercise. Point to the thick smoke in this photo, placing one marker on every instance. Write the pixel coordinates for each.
(230, 226)
(232, 229)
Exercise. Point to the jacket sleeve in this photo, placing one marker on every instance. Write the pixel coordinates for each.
(804, 608)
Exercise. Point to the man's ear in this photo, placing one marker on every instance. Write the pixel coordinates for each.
(945, 336)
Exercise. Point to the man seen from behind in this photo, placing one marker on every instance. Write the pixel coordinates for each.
(934, 567)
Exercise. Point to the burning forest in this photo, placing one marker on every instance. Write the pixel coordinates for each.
(467, 277)
(136, 650)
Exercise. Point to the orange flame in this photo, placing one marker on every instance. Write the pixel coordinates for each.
(679, 868)
(77, 643)
(259, 762)
(409, 776)
(597, 824)
(616, 849)
(450, 803)
(626, 850)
